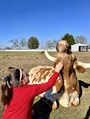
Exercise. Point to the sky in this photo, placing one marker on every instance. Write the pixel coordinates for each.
(44, 19)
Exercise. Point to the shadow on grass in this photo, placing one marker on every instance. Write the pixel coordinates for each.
(42, 109)
(83, 84)
(87, 114)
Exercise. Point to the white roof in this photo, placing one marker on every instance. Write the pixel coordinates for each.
(79, 44)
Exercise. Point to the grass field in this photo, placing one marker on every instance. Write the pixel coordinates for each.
(27, 60)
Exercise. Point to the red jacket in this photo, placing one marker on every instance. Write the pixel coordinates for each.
(20, 106)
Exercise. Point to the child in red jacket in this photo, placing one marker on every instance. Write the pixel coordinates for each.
(18, 97)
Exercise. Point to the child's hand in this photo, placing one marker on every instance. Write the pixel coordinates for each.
(58, 67)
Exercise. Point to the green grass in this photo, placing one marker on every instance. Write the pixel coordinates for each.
(27, 60)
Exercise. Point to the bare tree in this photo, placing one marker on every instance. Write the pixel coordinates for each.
(15, 43)
(49, 44)
(18, 43)
(81, 39)
(52, 43)
(56, 41)
(23, 43)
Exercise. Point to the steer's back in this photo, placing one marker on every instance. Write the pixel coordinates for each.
(41, 74)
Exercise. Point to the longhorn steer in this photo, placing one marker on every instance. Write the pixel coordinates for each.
(69, 95)
(70, 63)
(41, 74)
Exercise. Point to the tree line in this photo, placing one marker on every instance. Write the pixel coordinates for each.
(33, 42)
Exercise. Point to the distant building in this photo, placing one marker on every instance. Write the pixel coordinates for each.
(79, 47)
(89, 47)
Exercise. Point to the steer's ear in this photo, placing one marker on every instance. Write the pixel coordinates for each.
(79, 68)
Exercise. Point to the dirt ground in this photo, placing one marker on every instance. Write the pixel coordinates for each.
(27, 60)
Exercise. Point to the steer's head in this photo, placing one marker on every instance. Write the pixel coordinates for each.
(69, 60)
(63, 46)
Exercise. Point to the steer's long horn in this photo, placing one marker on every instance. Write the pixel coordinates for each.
(53, 59)
(85, 65)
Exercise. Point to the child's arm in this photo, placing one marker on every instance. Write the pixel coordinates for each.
(40, 88)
